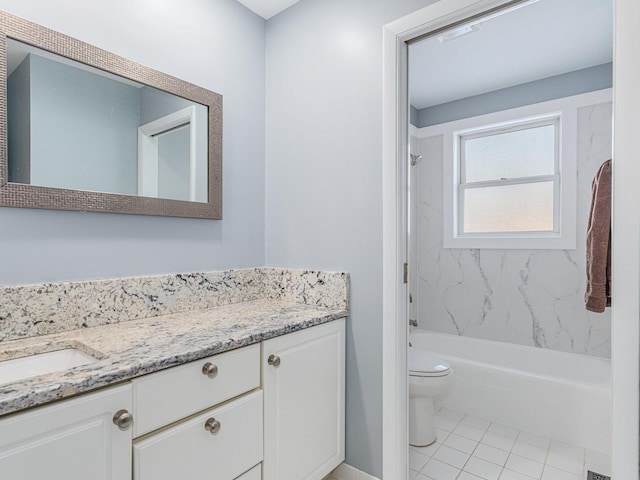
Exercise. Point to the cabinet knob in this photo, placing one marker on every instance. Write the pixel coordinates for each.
(123, 420)
(212, 425)
(273, 360)
(210, 369)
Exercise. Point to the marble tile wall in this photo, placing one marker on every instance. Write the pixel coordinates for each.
(528, 297)
(31, 310)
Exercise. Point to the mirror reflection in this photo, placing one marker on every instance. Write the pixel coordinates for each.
(77, 127)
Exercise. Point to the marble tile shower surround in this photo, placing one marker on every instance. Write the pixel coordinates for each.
(32, 310)
(527, 297)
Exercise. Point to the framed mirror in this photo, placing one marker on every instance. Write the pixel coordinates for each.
(84, 129)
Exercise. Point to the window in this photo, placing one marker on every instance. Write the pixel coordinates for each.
(508, 185)
(509, 179)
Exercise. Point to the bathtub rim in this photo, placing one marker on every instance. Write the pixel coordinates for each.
(606, 385)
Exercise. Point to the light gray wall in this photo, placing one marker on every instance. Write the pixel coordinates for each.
(219, 45)
(324, 176)
(155, 103)
(551, 88)
(19, 125)
(84, 129)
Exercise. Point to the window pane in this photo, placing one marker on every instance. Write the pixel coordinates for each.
(516, 154)
(526, 207)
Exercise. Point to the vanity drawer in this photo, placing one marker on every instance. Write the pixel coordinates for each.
(190, 451)
(165, 397)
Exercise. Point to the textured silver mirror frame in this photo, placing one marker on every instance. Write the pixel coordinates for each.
(32, 196)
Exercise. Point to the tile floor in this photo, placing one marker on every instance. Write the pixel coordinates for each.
(472, 448)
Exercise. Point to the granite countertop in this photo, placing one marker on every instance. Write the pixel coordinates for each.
(130, 349)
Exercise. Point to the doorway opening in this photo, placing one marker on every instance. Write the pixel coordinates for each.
(446, 24)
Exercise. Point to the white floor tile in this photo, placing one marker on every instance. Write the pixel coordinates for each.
(564, 462)
(419, 476)
(463, 444)
(491, 454)
(428, 450)
(439, 470)
(473, 448)
(417, 460)
(534, 439)
(498, 441)
(504, 430)
(551, 473)
(451, 456)
(444, 423)
(482, 469)
(524, 466)
(529, 451)
(467, 476)
(567, 450)
(450, 414)
(476, 422)
(441, 435)
(511, 475)
(597, 458)
(470, 432)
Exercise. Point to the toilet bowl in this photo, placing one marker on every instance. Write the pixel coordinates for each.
(428, 376)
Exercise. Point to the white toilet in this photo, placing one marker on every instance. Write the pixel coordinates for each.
(428, 376)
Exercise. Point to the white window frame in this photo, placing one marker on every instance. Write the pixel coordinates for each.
(568, 108)
(553, 119)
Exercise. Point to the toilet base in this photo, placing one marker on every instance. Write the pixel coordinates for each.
(422, 430)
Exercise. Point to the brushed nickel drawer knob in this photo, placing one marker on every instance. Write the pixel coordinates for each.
(273, 360)
(123, 420)
(210, 369)
(212, 425)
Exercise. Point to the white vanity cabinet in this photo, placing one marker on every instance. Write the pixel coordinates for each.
(303, 382)
(269, 411)
(75, 439)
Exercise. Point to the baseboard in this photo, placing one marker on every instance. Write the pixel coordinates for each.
(347, 472)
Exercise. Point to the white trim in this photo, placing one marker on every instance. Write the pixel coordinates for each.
(395, 116)
(625, 338)
(626, 230)
(347, 472)
(148, 152)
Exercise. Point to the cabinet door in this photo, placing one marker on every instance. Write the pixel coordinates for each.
(73, 439)
(304, 403)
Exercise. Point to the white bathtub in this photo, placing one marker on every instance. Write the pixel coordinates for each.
(565, 396)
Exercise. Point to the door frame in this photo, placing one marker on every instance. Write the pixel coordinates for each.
(625, 339)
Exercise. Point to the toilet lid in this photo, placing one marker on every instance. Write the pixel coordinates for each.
(422, 363)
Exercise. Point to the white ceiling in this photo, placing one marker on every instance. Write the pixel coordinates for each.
(539, 40)
(268, 8)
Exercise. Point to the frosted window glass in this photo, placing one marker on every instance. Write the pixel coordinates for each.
(526, 207)
(522, 153)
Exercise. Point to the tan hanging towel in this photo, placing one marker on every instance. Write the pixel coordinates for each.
(598, 294)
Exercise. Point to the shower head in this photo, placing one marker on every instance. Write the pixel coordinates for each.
(415, 159)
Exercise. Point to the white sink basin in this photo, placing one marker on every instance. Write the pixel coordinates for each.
(41, 363)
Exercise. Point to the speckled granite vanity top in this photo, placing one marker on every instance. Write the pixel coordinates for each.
(128, 349)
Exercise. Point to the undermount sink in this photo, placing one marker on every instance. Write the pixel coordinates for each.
(42, 363)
